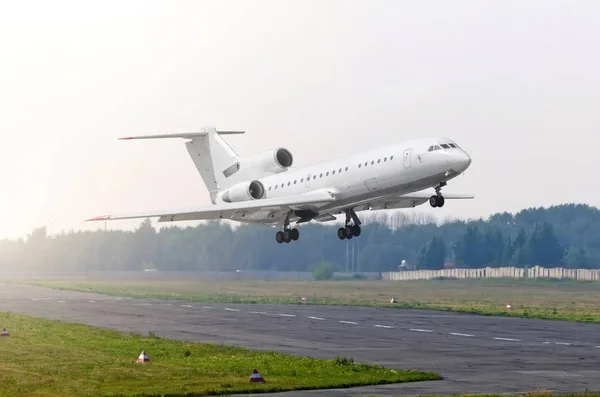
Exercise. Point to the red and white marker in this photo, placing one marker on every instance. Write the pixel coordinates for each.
(4, 332)
(508, 307)
(256, 377)
(393, 300)
(143, 358)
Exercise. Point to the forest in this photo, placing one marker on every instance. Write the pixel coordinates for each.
(564, 235)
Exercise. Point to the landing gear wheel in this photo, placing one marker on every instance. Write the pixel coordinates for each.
(356, 230)
(287, 236)
(440, 201)
(295, 234)
(341, 233)
(433, 201)
(348, 232)
(279, 237)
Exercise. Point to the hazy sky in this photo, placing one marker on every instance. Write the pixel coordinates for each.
(516, 83)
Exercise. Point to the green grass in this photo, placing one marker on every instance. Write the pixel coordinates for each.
(567, 300)
(50, 358)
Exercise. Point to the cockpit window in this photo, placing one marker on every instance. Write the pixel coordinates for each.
(453, 145)
(445, 146)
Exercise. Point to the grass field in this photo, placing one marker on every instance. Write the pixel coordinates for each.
(548, 299)
(50, 358)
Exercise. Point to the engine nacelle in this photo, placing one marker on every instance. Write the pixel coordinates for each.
(244, 191)
(271, 161)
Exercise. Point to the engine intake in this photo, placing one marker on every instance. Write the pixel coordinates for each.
(271, 162)
(284, 158)
(244, 191)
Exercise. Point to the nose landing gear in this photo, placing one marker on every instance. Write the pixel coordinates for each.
(437, 200)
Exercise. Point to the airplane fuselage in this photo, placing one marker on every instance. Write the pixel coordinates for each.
(392, 170)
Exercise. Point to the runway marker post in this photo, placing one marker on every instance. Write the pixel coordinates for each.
(143, 358)
(256, 377)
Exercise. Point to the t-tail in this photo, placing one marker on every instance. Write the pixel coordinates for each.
(214, 159)
(220, 166)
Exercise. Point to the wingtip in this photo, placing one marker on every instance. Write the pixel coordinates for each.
(98, 218)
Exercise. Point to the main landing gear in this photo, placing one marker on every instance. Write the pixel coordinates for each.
(349, 231)
(288, 234)
(437, 200)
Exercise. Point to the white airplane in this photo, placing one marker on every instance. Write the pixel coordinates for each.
(264, 188)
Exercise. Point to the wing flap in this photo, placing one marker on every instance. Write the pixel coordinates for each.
(228, 211)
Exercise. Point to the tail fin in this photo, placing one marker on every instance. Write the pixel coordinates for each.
(214, 159)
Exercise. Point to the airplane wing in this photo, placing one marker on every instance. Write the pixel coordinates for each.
(409, 200)
(247, 210)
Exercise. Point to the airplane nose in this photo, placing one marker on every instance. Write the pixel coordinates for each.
(462, 161)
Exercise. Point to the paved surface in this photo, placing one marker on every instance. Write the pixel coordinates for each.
(474, 354)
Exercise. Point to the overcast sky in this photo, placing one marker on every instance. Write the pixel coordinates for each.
(516, 83)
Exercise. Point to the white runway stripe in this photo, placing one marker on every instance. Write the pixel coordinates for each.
(420, 330)
(382, 326)
(347, 322)
(316, 318)
(457, 334)
(509, 339)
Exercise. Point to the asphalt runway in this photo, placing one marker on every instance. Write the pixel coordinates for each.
(474, 354)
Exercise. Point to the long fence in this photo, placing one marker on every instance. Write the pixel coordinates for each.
(496, 272)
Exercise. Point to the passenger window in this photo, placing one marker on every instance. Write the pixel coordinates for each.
(333, 172)
(315, 177)
(327, 174)
(378, 161)
(275, 187)
(282, 185)
(391, 157)
(289, 183)
(360, 165)
(366, 163)
(340, 170)
(301, 180)
(270, 188)
(295, 182)
(320, 175)
(346, 168)
(385, 159)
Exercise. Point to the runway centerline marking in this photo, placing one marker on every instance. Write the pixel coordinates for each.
(62, 301)
(563, 343)
(207, 307)
(347, 322)
(382, 326)
(315, 318)
(187, 306)
(232, 310)
(509, 339)
(258, 312)
(287, 315)
(459, 334)
(420, 330)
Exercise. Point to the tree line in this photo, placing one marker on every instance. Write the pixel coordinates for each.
(564, 235)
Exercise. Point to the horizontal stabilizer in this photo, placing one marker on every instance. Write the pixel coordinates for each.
(184, 135)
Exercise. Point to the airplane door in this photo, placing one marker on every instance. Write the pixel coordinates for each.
(307, 183)
(372, 185)
(407, 153)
